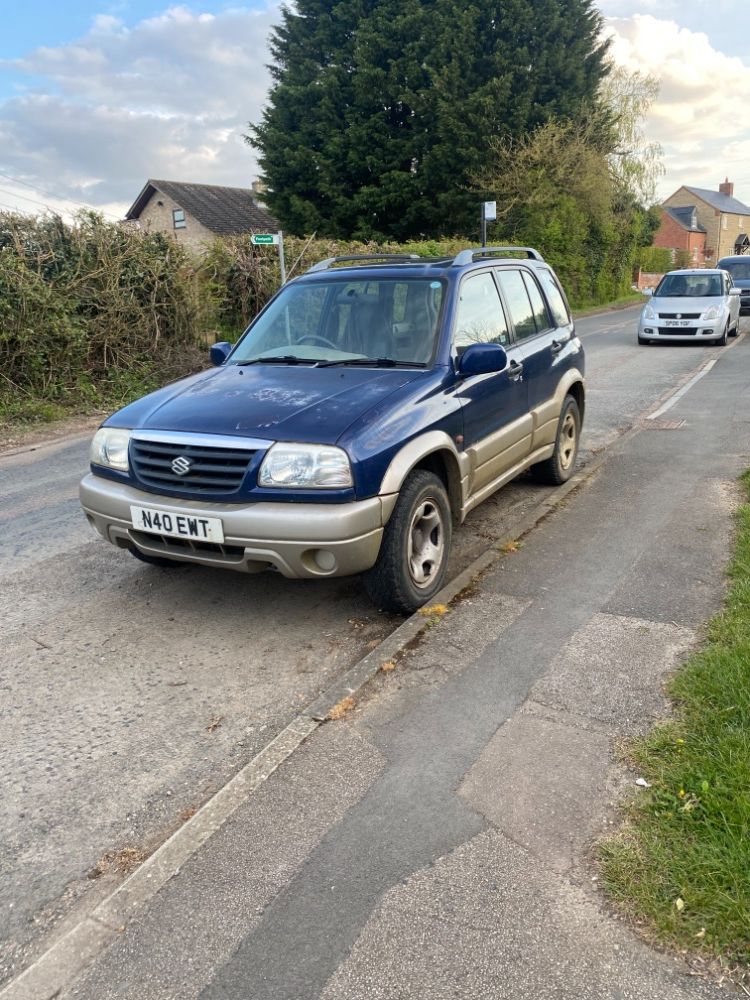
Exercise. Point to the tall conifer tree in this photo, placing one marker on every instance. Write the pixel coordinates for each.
(381, 110)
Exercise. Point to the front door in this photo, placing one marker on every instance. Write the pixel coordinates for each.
(497, 423)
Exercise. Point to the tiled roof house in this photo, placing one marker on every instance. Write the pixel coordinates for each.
(195, 214)
(709, 224)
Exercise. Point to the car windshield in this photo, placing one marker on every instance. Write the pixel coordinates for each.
(340, 321)
(739, 269)
(689, 286)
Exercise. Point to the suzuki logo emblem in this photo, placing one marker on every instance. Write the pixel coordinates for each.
(181, 465)
(679, 315)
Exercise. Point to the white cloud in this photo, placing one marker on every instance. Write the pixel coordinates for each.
(170, 97)
(700, 116)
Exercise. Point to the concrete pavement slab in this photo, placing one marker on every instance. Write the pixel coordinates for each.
(488, 921)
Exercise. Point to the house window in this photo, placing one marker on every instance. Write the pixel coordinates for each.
(178, 218)
(723, 222)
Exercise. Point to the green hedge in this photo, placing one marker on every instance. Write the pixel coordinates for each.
(94, 314)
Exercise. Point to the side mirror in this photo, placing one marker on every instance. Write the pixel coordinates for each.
(735, 291)
(220, 352)
(648, 292)
(481, 359)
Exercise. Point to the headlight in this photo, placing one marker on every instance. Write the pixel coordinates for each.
(713, 312)
(311, 466)
(648, 312)
(110, 448)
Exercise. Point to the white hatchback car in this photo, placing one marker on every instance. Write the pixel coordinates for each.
(696, 304)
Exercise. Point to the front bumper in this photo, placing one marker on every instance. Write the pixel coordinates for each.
(300, 540)
(655, 329)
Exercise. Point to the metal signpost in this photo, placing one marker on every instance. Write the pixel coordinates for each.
(489, 214)
(272, 239)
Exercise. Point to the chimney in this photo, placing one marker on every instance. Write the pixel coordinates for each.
(727, 187)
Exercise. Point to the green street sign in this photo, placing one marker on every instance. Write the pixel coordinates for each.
(264, 239)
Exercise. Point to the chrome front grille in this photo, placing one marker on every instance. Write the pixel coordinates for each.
(209, 469)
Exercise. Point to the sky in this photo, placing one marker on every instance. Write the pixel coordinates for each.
(96, 96)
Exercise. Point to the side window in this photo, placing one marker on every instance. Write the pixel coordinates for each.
(517, 297)
(480, 318)
(556, 301)
(537, 303)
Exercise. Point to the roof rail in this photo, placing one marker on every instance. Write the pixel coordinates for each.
(467, 256)
(395, 258)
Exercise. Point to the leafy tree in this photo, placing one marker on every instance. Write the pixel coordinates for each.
(381, 110)
(577, 189)
(635, 162)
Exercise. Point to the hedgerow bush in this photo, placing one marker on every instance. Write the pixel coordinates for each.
(93, 314)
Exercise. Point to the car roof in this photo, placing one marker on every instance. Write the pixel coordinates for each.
(736, 258)
(696, 270)
(400, 265)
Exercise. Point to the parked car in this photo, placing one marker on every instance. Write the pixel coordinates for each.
(739, 268)
(365, 411)
(694, 304)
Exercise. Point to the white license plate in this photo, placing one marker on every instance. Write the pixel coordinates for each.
(164, 522)
(678, 322)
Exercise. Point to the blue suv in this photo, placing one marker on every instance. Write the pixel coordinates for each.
(364, 412)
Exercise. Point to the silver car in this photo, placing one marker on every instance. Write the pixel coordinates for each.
(696, 304)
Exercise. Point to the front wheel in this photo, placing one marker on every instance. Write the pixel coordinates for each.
(560, 466)
(721, 341)
(643, 340)
(416, 543)
(145, 557)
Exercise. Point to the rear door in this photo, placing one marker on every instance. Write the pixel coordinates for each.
(541, 340)
(497, 424)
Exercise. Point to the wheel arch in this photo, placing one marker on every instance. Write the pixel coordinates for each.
(573, 384)
(434, 452)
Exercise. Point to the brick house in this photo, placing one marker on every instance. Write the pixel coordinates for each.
(681, 231)
(724, 220)
(195, 214)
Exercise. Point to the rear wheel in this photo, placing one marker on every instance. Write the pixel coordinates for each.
(416, 543)
(560, 466)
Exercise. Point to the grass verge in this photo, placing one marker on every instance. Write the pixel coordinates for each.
(592, 308)
(681, 864)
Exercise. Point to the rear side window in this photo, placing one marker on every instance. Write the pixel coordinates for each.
(521, 311)
(555, 298)
(537, 303)
(480, 318)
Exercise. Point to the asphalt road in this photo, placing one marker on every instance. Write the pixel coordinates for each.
(436, 842)
(130, 693)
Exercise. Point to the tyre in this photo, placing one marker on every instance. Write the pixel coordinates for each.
(560, 466)
(416, 543)
(643, 340)
(736, 330)
(153, 560)
(721, 341)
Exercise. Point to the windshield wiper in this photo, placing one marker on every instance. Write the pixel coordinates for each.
(372, 363)
(281, 359)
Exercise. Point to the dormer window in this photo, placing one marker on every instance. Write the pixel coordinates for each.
(178, 218)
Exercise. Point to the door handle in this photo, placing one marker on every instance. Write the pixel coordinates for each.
(557, 346)
(515, 371)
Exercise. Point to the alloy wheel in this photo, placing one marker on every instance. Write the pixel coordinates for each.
(426, 543)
